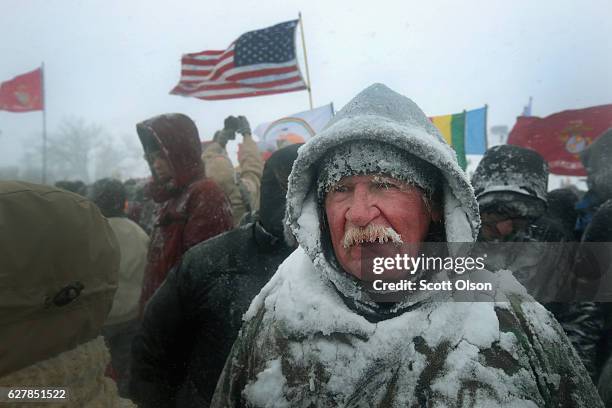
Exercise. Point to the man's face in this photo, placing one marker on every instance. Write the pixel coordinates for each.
(161, 166)
(380, 204)
(500, 227)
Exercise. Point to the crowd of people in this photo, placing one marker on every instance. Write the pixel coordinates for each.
(210, 285)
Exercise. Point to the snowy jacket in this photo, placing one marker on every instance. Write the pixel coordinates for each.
(133, 244)
(194, 318)
(193, 208)
(304, 345)
(219, 168)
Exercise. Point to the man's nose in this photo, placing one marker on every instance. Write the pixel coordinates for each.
(363, 208)
(504, 227)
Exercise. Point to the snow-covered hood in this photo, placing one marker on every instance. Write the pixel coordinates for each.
(382, 115)
(514, 169)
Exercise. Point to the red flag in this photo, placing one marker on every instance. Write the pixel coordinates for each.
(560, 137)
(22, 93)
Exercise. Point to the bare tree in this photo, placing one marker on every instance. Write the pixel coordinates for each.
(83, 151)
(71, 149)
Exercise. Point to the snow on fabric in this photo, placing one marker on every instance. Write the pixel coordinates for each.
(311, 317)
(305, 309)
(267, 391)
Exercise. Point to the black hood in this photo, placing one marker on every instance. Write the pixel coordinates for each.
(274, 189)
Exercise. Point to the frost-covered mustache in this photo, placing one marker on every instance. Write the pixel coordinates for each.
(370, 233)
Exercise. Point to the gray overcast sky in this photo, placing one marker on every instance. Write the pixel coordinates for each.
(114, 62)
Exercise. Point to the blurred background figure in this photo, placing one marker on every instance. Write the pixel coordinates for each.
(521, 232)
(597, 160)
(191, 323)
(140, 207)
(240, 185)
(192, 207)
(122, 322)
(510, 183)
(59, 262)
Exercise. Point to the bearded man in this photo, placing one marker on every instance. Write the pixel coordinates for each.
(317, 336)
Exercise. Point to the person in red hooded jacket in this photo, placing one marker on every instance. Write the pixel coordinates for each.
(192, 208)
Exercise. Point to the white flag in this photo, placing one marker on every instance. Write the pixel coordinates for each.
(295, 128)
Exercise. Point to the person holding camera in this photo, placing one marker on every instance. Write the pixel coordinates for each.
(241, 186)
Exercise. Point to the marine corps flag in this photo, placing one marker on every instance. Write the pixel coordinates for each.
(559, 138)
(22, 93)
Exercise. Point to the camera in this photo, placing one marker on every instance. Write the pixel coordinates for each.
(231, 123)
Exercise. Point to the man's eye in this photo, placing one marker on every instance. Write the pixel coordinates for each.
(384, 184)
(339, 188)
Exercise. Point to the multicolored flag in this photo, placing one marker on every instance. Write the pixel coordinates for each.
(466, 132)
(560, 137)
(295, 128)
(24, 93)
(261, 62)
(452, 128)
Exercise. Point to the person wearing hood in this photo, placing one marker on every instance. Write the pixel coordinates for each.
(241, 187)
(59, 261)
(317, 336)
(521, 233)
(194, 318)
(193, 207)
(122, 322)
(596, 160)
(510, 184)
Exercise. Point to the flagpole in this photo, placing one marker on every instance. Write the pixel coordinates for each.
(486, 132)
(44, 119)
(305, 59)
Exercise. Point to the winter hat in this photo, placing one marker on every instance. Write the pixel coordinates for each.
(511, 179)
(370, 157)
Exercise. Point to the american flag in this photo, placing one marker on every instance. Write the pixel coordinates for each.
(260, 62)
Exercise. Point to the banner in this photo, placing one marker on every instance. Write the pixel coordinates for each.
(22, 93)
(296, 128)
(560, 137)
